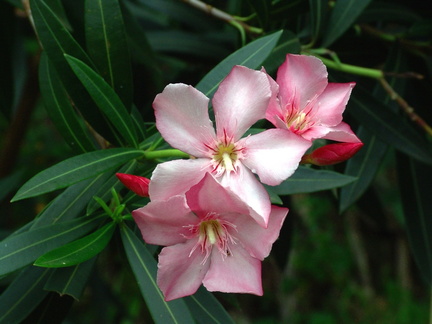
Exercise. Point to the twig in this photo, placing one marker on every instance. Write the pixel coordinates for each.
(222, 15)
(405, 106)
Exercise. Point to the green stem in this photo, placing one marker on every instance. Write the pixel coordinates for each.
(353, 69)
(151, 155)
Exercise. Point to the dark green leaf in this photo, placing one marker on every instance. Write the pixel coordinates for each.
(318, 13)
(145, 268)
(388, 126)
(251, 56)
(22, 249)
(72, 280)
(105, 97)
(415, 182)
(60, 109)
(342, 16)
(306, 180)
(206, 309)
(71, 202)
(23, 295)
(77, 251)
(287, 43)
(104, 190)
(9, 183)
(57, 41)
(364, 166)
(107, 45)
(75, 169)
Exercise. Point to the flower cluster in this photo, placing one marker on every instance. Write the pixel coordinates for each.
(212, 212)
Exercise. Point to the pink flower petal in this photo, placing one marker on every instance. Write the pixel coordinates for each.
(246, 186)
(179, 274)
(256, 240)
(274, 110)
(240, 101)
(331, 103)
(210, 196)
(274, 154)
(237, 273)
(176, 177)
(301, 78)
(182, 118)
(340, 133)
(163, 222)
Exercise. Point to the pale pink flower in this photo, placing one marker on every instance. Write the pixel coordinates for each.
(307, 104)
(241, 100)
(210, 238)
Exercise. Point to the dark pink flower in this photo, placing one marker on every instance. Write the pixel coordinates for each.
(210, 238)
(241, 100)
(332, 153)
(137, 184)
(306, 103)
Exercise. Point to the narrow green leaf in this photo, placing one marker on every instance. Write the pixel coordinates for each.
(9, 183)
(107, 45)
(287, 43)
(144, 267)
(318, 16)
(206, 309)
(75, 169)
(415, 183)
(388, 126)
(104, 191)
(364, 166)
(23, 295)
(77, 251)
(251, 56)
(57, 41)
(22, 249)
(71, 202)
(105, 97)
(60, 109)
(306, 180)
(72, 280)
(343, 15)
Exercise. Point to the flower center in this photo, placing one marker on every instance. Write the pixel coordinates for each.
(213, 232)
(297, 121)
(225, 156)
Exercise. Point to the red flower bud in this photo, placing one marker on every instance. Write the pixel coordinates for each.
(332, 153)
(137, 184)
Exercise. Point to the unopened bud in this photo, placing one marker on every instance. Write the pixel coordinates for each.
(332, 154)
(137, 184)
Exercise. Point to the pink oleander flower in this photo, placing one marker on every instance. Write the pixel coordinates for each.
(209, 238)
(307, 104)
(241, 100)
(332, 153)
(137, 184)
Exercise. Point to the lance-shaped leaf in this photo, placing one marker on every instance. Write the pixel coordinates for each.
(251, 56)
(22, 249)
(75, 169)
(144, 268)
(388, 126)
(206, 309)
(71, 202)
(60, 109)
(23, 295)
(318, 17)
(342, 16)
(415, 180)
(57, 41)
(306, 180)
(77, 251)
(106, 98)
(72, 280)
(107, 45)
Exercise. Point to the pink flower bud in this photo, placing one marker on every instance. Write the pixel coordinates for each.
(137, 184)
(332, 153)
